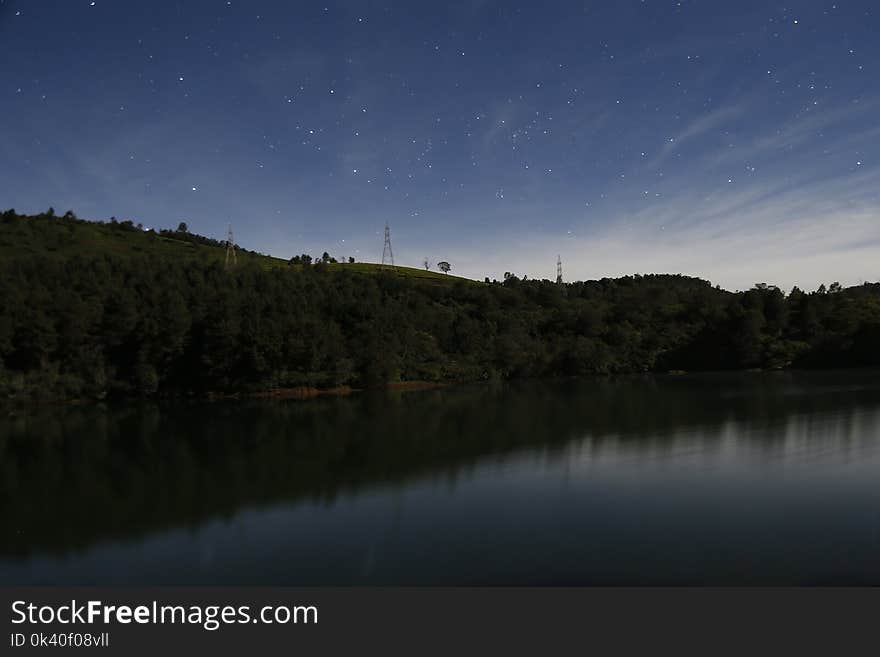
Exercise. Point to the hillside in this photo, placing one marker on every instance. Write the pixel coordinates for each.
(47, 235)
(100, 310)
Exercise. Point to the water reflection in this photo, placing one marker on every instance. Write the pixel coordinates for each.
(745, 478)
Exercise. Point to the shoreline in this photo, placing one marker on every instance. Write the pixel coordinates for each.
(294, 392)
(311, 392)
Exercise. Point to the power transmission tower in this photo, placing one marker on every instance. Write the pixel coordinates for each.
(387, 253)
(230, 248)
(559, 269)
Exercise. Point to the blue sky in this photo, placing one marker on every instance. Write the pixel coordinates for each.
(736, 141)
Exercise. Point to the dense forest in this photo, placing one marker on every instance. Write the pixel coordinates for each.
(96, 310)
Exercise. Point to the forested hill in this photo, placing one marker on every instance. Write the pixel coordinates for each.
(64, 237)
(94, 310)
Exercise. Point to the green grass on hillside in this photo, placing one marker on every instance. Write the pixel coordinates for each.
(408, 272)
(65, 237)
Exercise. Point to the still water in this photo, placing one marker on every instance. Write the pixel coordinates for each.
(747, 478)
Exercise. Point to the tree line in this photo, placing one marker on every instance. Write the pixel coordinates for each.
(95, 324)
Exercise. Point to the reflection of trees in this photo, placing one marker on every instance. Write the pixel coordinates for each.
(74, 475)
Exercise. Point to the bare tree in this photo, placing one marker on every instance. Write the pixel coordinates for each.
(444, 266)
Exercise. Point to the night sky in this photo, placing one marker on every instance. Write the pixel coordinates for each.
(736, 141)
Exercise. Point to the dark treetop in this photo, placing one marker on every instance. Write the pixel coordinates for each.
(91, 310)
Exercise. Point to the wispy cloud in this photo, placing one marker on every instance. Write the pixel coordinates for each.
(817, 248)
(707, 123)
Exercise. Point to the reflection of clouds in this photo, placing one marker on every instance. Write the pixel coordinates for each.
(827, 441)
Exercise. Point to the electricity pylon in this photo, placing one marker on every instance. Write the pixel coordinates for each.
(231, 260)
(387, 253)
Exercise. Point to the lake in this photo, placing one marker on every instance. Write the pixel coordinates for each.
(745, 478)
